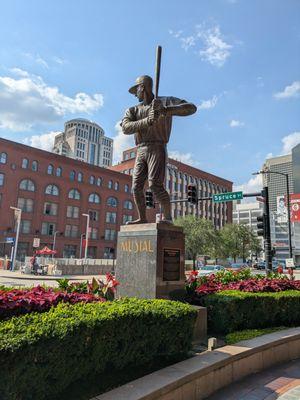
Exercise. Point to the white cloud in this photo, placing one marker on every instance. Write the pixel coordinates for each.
(289, 142)
(207, 104)
(44, 141)
(26, 100)
(226, 145)
(121, 142)
(234, 123)
(208, 43)
(253, 185)
(59, 60)
(216, 50)
(292, 90)
(186, 158)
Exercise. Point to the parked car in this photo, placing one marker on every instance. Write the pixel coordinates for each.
(261, 265)
(210, 269)
(236, 266)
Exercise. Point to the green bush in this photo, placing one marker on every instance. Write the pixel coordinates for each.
(42, 354)
(247, 334)
(231, 310)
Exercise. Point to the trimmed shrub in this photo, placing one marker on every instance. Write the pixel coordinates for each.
(42, 354)
(231, 310)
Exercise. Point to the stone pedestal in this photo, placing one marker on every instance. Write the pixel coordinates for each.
(150, 260)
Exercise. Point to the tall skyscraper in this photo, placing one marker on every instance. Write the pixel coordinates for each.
(85, 141)
(287, 164)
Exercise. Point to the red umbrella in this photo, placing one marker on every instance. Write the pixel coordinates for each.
(46, 251)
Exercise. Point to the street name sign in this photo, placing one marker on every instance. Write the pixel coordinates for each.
(10, 240)
(228, 196)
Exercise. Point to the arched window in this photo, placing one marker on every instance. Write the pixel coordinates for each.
(34, 166)
(52, 189)
(94, 198)
(99, 181)
(72, 175)
(58, 171)
(50, 169)
(116, 185)
(126, 188)
(3, 158)
(25, 163)
(92, 180)
(27, 184)
(110, 184)
(79, 177)
(128, 205)
(74, 194)
(112, 202)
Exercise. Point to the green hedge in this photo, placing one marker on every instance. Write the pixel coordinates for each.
(42, 354)
(231, 310)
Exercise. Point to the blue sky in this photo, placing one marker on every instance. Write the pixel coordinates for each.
(237, 60)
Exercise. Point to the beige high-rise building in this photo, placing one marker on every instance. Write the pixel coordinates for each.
(84, 140)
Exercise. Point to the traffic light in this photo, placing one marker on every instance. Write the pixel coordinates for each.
(192, 194)
(149, 199)
(262, 225)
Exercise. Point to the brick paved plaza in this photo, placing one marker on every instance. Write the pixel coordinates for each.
(281, 383)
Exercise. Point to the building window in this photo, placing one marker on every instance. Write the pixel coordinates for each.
(116, 185)
(26, 205)
(71, 231)
(3, 158)
(112, 202)
(72, 212)
(27, 184)
(94, 233)
(94, 198)
(34, 166)
(79, 177)
(74, 194)
(109, 252)
(58, 171)
(92, 180)
(128, 205)
(110, 234)
(25, 163)
(132, 154)
(110, 184)
(50, 208)
(1, 179)
(126, 218)
(94, 215)
(72, 175)
(111, 217)
(50, 169)
(69, 251)
(52, 189)
(23, 251)
(25, 226)
(99, 181)
(48, 228)
(126, 187)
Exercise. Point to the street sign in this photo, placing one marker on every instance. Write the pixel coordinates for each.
(289, 262)
(10, 240)
(36, 242)
(229, 196)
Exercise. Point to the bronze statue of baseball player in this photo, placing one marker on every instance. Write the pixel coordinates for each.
(150, 121)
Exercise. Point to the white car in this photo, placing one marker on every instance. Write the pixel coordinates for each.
(210, 269)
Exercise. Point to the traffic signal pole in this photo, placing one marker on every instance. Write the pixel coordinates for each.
(267, 236)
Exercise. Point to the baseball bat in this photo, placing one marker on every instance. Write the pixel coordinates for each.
(157, 70)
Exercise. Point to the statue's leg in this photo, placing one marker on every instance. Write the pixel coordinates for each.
(140, 173)
(156, 176)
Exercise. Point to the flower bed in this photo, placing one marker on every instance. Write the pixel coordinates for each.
(16, 302)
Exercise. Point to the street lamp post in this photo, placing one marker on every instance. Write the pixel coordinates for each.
(81, 238)
(54, 241)
(287, 200)
(18, 212)
(86, 234)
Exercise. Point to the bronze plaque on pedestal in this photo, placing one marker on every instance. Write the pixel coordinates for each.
(171, 265)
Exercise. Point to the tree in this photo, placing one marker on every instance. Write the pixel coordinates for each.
(199, 234)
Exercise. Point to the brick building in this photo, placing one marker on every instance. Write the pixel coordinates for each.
(53, 191)
(178, 176)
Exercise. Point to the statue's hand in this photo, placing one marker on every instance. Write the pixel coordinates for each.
(158, 107)
(152, 116)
